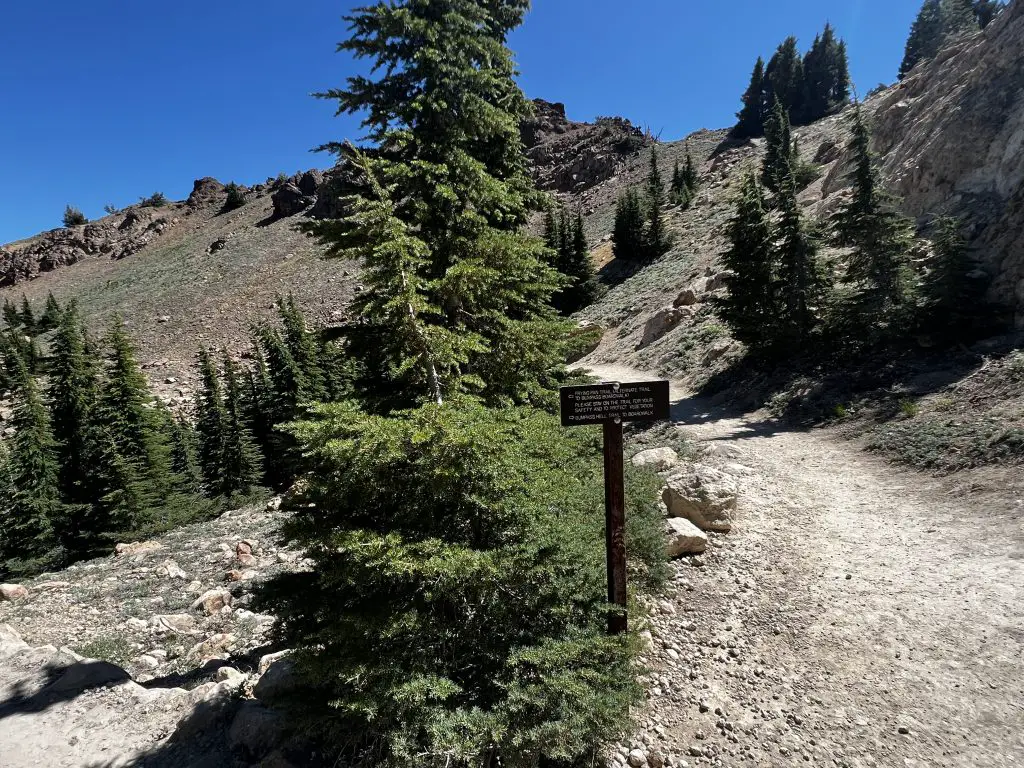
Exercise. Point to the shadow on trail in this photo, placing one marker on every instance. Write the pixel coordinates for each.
(58, 683)
(696, 411)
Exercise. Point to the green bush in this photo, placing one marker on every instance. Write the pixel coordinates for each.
(73, 217)
(235, 197)
(455, 613)
(156, 200)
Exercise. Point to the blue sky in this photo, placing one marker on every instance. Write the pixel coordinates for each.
(105, 101)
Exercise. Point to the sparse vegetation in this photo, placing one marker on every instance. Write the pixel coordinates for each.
(235, 196)
(156, 200)
(73, 217)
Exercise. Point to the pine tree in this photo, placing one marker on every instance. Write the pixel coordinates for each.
(880, 238)
(690, 177)
(452, 186)
(184, 464)
(800, 287)
(750, 119)
(27, 523)
(954, 307)
(451, 541)
(778, 159)
(628, 237)
(656, 237)
(987, 10)
(28, 319)
(304, 349)
(258, 402)
(750, 307)
(583, 288)
(211, 424)
(826, 76)
(552, 238)
(925, 36)
(958, 17)
(784, 79)
(240, 459)
(74, 390)
(11, 316)
(51, 314)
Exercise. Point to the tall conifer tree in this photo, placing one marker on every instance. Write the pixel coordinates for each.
(784, 79)
(750, 119)
(240, 460)
(925, 36)
(211, 424)
(657, 238)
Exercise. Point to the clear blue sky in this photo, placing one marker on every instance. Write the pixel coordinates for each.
(106, 100)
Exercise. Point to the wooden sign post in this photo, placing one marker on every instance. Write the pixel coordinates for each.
(610, 405)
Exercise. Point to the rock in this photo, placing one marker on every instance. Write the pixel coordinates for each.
(686, 299)
(11, 592)
(702, 495)
(237, 575)
(228, 673)
(164, 319)
(655, 759)
(828, 151)
(247, 561)
(147, 662)
(10, 641)
(663, 321)
(636, 758)
(274, 504)
(256, 731)
(181, 623)
(309, 182)
(212, 601)
(91, 673)
(171, 570)
(717, 349)
(138, 624)
(216, 647)
(277, 681)
(658, 459)
(137, 548)
(243, 548)
(289, 200)
(205, 191)
(684, 538)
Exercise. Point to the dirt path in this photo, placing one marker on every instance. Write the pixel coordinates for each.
(854, 616)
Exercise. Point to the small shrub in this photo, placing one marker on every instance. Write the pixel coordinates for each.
(944, 404)
(235, 197)
(74, 217)
(111, 209)
(841, 411)
(806, 173)
(112, 648)
(909, 408)
(156, 200)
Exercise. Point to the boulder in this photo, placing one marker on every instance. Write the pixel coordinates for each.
(10, 641)
(663, 321)
(216, 647)
(205, 191)
(137, 548)
(212, 601)
(12, 592)
(687, 298)
(171, 570)
(289, 200)
(90, 673)
(684, 538)
(658, 459)
(256, 731)
(277, 682)
(309, 182)
(702, 495)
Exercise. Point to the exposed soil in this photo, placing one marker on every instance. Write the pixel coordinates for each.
(857, 615)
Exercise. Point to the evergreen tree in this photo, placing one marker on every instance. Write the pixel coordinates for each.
(11, 316)
(986, 10)
(240, 457)
(656, 237)
(784, 79)
(628, 238)
(33, 510)
(778, 159)
(582, 289)
(801, 286)
(51, 315)
(958, 17)
(750, 307)
(258, 403)
(677, 186)
(953, 298)
(448, 180)
(74, 390)
(880, 238)
(826, 76)
(690, 177)
(926, 36)
(304, 349)
(28, 318)
(552, 237)
(211, 424)
(184, 463)
(750, 119)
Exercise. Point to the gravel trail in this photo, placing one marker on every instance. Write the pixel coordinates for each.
(855, 616)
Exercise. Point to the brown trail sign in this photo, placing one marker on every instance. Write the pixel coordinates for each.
(610, 405)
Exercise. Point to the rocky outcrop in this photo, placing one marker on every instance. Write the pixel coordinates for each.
(952, 136)
(568, 156)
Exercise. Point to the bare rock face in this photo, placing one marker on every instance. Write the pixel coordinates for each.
(206, 191)
(702, 495)
(289, 201)
(953, 138)
(569, 156)
(663, 321)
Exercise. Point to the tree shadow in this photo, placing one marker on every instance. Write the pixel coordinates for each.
(60, 683)
(618, 271)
